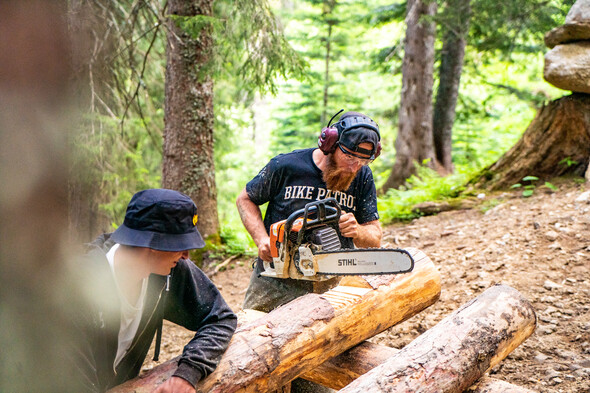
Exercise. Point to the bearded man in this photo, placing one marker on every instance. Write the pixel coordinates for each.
(339, 169)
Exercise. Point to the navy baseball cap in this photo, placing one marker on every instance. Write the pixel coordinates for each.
(355, 128)
(160, 219)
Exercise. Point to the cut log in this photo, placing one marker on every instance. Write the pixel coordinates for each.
(492, 385)
(451, 356)
(266, 354)
(341, 370)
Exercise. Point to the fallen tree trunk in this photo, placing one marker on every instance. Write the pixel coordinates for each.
(451, 356)
(269, 352)
(341, 370)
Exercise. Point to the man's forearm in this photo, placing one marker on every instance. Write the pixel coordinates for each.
(251, 218)
(369, 235)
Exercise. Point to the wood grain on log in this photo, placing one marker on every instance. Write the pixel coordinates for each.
(293, 339)
(451, 356)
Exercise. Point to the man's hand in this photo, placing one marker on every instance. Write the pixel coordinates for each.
(264, 249)
(349, 227)
(363, 235)
(252, 220)
(175, 385)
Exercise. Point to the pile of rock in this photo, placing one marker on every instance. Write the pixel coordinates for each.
(567, 64)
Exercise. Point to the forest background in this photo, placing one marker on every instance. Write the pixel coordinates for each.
(278, 71)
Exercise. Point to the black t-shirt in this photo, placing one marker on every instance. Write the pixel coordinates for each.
(290, 181)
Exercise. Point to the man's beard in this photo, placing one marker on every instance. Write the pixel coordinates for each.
(336, 179)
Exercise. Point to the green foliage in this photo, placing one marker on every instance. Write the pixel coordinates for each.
(248, 44)
(514, 26)
(529, 188)
(120, 142)
(426, 185)
(395, 12)
(116, 165)
(568, 162)
(237, 241)
(300, 109)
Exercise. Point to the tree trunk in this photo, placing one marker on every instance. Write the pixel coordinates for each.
(328, 8)
(451, 356)
(188, 163)
(414, 143)
(266, 354)
(456, 26)
(326, 77)
(556, 143)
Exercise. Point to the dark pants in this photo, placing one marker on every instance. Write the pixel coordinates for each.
(267, 293)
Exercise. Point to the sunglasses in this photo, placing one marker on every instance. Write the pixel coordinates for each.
(352, 157)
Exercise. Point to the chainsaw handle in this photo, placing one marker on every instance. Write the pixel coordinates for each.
(326, 210)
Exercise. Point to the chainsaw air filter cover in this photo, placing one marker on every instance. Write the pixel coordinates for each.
(327, 238)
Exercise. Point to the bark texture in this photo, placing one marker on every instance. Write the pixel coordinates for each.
(414, 142)
(560, 133)
(451, 356)
(456, 26)
(188, 163)
(341, 370)
(269, 352)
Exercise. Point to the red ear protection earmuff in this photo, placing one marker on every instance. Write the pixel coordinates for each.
(378, 149)
(330, 135)
(328, 139)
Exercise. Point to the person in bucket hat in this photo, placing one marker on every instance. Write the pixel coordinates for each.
(142, 275)
(337, 168)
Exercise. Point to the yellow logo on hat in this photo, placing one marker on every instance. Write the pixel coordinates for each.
(195, 219)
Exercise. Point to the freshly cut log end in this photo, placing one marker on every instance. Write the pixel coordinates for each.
(451, 356)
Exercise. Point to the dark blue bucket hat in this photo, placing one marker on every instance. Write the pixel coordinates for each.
(162, 220)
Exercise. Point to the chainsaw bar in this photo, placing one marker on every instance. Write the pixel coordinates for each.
(363, 261)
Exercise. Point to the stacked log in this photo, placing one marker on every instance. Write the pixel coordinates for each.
(267, 353)
(269, 350)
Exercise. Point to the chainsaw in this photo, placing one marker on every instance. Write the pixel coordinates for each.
(307, 246)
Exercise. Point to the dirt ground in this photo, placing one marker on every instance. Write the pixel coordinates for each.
(538, 245)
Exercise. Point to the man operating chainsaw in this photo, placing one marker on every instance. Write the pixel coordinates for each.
(338, 168)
